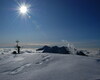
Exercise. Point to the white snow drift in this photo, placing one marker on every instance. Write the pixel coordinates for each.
(46, 66)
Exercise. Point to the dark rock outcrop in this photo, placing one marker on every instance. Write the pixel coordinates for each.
(62, 50)
(55, 49)
(81, 53)
(14, 52)
(45, 48)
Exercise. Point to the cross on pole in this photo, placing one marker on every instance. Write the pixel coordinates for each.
(17, 42)
(18, 47)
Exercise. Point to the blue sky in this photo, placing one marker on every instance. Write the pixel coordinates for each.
(51, 21)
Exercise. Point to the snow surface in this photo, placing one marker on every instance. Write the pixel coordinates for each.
(45, 66)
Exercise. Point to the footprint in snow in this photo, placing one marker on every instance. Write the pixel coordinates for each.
(18, 69)
(45, 59)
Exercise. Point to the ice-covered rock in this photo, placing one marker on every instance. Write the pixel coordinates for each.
(56, 49)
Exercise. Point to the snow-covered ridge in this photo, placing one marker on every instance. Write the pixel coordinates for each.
(31, 65)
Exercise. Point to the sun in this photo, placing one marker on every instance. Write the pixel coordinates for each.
(23, 9)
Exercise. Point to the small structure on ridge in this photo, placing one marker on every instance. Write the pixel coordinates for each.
(18, 47)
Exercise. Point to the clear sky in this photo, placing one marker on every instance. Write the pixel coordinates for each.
(53, 21)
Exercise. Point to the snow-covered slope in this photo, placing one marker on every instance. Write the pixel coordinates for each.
(45, 66)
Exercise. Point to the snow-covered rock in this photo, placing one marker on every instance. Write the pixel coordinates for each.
(56, 49)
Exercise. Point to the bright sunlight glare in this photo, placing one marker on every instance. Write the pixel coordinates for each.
(23, 9)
